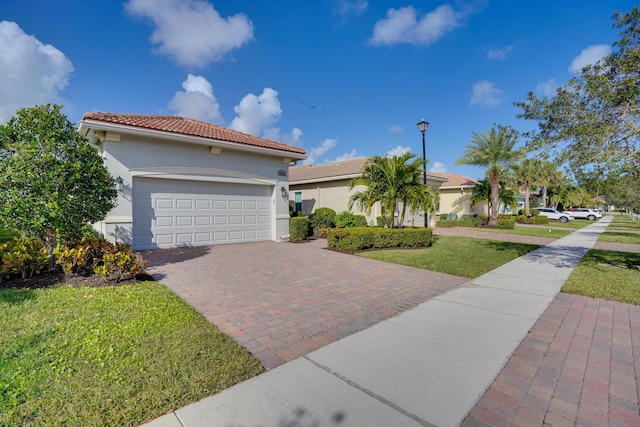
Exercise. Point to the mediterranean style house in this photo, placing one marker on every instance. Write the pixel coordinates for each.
(327, 185)
(183, 182)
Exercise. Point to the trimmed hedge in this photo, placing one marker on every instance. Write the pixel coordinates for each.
(360, 238)
(298, 228)
(348, 219)
(521, 219)
(506, 224)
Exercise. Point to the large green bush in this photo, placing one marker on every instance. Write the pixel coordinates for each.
(298, 229)
(506, 224)
(321, 220)
(521, 219)
(349, 219)
(360, 238)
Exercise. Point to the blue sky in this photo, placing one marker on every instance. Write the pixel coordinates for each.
(342, 79)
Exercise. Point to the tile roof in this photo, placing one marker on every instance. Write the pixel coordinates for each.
(186, 126)
(337, 170)
(455, 180)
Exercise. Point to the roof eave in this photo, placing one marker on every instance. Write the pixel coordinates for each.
(86, 125)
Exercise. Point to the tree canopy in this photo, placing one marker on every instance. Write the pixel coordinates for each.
(52, 181)
(391, 181)
(593, 120)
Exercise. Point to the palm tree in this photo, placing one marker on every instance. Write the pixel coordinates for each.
(549, 174)
(495, 151)
(481, 193)
(525, 175)
(390, 180)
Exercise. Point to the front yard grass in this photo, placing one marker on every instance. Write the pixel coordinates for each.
(460, 256)
(607, 274)
(532, 231)
(624, 223)
(620, 237)
(117, 355)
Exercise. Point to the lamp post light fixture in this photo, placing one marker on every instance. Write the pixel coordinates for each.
(423, 126)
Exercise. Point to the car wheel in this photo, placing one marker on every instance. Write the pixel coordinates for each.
(591, 217)
(564, 219)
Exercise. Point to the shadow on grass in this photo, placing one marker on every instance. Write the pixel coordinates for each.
(629, 260)
(16, 296)
(519, 248)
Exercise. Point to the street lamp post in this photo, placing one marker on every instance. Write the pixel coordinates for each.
(423, 126)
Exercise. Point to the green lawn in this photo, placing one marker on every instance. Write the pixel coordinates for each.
(118, 355)
(624, 223)
(607, 274)
(460, 256)
(620, 237)
(533, 231)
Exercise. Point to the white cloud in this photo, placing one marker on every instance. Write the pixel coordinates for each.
(402, 26)
(398, 151)
(32, 72)
(192, 32)
(486, 94)
(396, 129)
(502, 53)
(257, 113)
(292, 138)
(438, 168)
(197, 101)
(348, 156)
(547, 88)
(346, 8)
(315, 152)
(588, 56)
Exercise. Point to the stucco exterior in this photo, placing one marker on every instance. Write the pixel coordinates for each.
(131, 152)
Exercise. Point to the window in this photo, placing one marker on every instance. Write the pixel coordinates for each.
(298, 201)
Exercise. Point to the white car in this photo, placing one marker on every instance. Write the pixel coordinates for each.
(554, 214)
(583, 213)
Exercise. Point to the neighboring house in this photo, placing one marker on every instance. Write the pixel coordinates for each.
(455, 195)
(183, 182)
(327, 186)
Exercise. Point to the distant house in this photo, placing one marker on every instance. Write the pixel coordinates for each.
(455, 195)
(318, 186)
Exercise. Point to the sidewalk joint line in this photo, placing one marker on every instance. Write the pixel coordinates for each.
(370, 393)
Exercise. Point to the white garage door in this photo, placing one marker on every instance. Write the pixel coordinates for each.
(170, 213)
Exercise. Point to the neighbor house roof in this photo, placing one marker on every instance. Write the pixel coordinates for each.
(455, 180)
(189, 127)
(346, 169)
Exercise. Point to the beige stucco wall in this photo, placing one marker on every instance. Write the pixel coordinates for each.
(135, 155)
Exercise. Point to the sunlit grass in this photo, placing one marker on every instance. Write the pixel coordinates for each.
(532, 231)
(624, 223)
(607, 274)
(620, 237)
(108, 356)
(460, 256)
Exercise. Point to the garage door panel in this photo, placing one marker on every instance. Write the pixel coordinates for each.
(173, 213)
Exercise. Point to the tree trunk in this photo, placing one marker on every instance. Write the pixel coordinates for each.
(544, 196)
(527, 207)
(494, 181)
(50, 243)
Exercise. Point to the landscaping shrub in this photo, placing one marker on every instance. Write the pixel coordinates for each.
(24, 256)
(299, 229)
(360, 238)
(321, 220)
(506, 224)
(348, 219)
(521, 219)
(446, 216)
(119, 263)
(447, 223)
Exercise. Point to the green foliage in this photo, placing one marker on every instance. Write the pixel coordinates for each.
(493, 150)
(396, 182)
(298, 229)
(72, 259)
(464, 221)
(6, 235)
(108, 356)
(360, 238)
(538, 220)
(593, 119)
(321, 220)
(447, 223)
(452, 215)
(349, 219)
(53, 182)
(119, 263)
(24, 256)
(506, 224)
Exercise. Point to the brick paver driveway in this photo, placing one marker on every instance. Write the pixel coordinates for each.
(283, 300)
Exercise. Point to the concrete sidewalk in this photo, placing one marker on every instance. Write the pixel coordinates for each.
(427, 366)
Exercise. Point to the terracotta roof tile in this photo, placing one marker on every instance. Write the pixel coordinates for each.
(187, 126)
(455, 180)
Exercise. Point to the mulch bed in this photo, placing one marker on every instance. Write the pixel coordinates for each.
(57, 277)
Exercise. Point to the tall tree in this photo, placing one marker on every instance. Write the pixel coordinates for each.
(396, 183)
(53, 182)
(525, 175)
(494, 150)
(594, 119)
